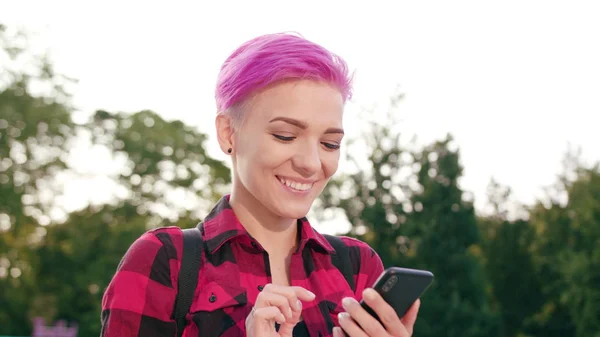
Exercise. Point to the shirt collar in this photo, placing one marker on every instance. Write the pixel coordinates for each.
(222, 225)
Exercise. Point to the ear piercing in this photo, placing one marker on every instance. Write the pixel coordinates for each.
(229, 150)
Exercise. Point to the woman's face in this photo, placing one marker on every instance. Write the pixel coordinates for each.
(287, 147)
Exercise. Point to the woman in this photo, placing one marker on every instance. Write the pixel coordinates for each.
(265, 271)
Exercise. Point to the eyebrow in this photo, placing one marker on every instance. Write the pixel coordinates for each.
(303, 125)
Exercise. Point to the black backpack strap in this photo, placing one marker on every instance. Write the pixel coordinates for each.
(188, 275)
(341, 259)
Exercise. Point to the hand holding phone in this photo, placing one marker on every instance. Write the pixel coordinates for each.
(400, 288)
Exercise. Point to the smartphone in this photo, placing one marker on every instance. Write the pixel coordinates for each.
(400, 288)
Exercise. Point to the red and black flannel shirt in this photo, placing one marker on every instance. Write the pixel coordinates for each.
(139, 299)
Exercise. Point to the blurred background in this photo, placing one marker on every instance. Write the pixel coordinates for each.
(471, 149)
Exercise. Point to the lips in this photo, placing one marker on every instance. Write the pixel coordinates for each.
(295, 185)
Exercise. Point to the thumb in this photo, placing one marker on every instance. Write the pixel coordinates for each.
(410, 317)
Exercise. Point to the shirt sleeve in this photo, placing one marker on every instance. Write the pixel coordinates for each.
(140, 297)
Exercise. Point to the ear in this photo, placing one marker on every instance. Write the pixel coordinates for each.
(225, 132)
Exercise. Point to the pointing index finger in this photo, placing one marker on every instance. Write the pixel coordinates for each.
(294, 294)
(303, 294)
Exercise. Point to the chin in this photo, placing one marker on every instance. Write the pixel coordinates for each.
(291, 211)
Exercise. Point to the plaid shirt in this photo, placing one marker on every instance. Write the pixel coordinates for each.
(140, 298)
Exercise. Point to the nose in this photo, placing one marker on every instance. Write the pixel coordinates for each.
(307, 160)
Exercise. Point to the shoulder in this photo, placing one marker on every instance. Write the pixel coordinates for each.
(153, 256)
(358, 248)
(361, 253)
(355, 243)
(141, 294)
(166, 242)
(366, 262)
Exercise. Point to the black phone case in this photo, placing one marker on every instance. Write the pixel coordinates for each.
(400, 287)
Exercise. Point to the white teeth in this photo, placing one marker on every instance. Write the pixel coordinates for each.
(295, 185)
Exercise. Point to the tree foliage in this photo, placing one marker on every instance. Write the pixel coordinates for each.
(54, 262)
(35, 129)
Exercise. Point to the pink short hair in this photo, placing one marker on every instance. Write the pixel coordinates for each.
(272, 58)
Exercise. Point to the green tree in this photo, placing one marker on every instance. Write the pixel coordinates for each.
(58, 266)
(447, 242)
(77, 260)
(35, 128)
(161, 159)
(165, 170)
(374, 199)
(566, 252)
(509, 265)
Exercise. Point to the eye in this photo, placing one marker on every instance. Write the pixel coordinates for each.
(331, 146)
(283, 138)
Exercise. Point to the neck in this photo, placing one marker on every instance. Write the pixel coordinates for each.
(274, 233)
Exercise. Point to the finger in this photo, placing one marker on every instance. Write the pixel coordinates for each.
(368, 323)
(269, 314)
(338, 332)
(266, 299)
(303, 294)
(294, 291)
(293, 294)
(387, 315)
(285, 292)
(350, 326)
(287, 328)
(411, 316)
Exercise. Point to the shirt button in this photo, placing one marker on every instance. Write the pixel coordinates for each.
(260, 288)
(212, 298)
(253, 244)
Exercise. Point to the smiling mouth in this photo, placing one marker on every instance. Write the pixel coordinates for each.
(295, 185)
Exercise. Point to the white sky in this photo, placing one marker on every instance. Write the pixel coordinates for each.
(513, 81)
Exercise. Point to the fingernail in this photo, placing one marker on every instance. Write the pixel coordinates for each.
(311, 294)
(347, 302)
(298, 305)
(343, 316)
(369, 294)
(290, 314)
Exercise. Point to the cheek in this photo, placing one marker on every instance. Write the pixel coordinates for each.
(261, 153)
(330, 162)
